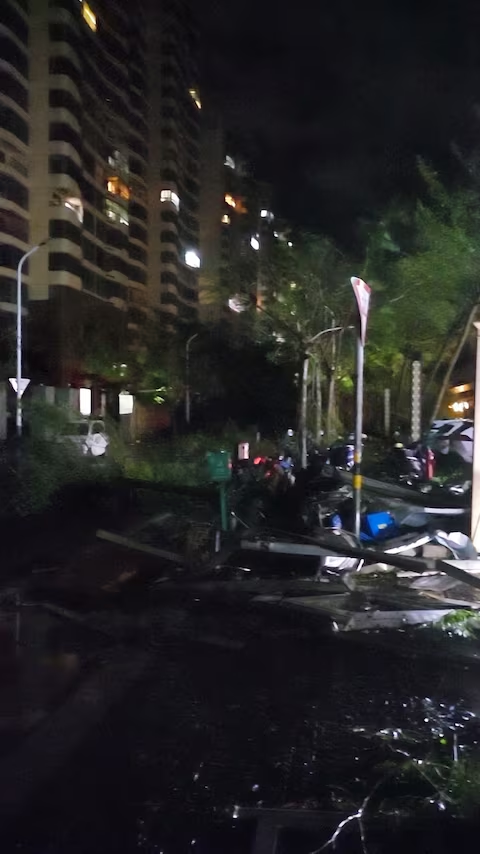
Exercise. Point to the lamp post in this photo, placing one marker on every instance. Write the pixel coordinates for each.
(18, 415)
(475, 521)
(187, 377)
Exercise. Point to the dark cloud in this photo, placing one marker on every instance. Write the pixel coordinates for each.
(341, 96)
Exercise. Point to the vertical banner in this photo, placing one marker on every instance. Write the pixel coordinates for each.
(416, 420)
(362, 295)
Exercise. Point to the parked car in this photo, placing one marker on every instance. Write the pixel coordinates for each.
(89, 436)
(452, 434)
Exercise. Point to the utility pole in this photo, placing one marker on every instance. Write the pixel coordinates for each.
(387, 411)
(416, 423)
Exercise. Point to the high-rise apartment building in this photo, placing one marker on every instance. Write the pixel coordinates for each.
(14, 159)
(99, 128)
(237, 224)
(88, 167)
(175, 160)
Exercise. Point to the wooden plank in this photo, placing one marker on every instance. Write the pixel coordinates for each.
(127, 543)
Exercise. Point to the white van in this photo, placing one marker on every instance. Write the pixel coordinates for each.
(89, 436)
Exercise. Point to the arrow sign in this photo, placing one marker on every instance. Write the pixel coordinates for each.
(362, 293)
(23, 384)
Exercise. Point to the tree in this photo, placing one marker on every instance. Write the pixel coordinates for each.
(423, 261)
(307, 291)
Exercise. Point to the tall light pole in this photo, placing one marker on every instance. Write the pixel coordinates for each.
(18, 416)
(187, 377)
(475, 521)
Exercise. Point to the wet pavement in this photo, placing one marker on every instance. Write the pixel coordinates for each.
(291, 721)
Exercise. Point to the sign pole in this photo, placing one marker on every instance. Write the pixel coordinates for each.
(223, 506)
(357, 455)
(362, 295)
(475, 518)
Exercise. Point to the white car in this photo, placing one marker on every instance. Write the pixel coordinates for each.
(90, 437)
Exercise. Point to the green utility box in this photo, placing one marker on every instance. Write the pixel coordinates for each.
(219, 466)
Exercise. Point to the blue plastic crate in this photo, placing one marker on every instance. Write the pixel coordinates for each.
(378, 526)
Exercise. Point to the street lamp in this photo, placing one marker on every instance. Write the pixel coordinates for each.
(187, 377)
(18, 415)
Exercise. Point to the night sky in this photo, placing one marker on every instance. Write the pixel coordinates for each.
(336, 99)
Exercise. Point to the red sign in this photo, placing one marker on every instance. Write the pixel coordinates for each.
(362, 293)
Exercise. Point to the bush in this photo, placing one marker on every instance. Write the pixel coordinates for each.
(37, 469)
(182, 461)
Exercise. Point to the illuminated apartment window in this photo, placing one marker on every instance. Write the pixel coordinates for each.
(226, 219)
(170, 196)
(268, 215)
(118, 187)
(192, 258)
(74, 204)
(195, 97)
(89, 16)
(116, 212)
(230, 200)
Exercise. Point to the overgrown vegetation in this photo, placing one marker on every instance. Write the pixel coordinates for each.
(37, 470)
(35, 473)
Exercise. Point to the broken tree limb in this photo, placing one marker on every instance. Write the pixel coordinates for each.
(127, 543)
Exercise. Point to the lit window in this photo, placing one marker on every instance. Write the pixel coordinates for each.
(125, 403)
(268, 215)
(230, 200)
(89, 16)
(118, 188)
(293, 285)
(116, 212)
(74, 204)
(170, 196)
(255, 243)
(226, 219)
(192, 258)
(230, 162)
(196, 97)
(85, 401)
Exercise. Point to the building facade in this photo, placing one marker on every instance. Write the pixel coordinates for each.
(237, 224)
(88, 169)
(14, 161)
(175, 164)
(99, 131)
